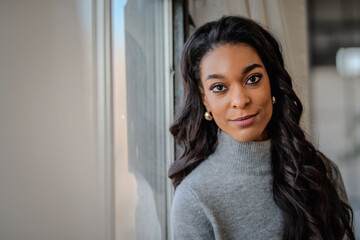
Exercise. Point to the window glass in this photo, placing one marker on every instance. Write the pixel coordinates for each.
(139, 85)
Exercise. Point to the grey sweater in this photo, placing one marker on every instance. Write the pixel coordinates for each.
(228, 196)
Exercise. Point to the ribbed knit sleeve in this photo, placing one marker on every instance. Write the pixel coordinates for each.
(188, 219)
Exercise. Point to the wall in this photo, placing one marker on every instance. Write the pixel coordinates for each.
(52, 180)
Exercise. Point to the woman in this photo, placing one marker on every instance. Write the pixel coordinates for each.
(247, 170)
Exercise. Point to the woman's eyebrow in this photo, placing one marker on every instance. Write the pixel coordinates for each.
(217, 76)
(245, 71)
(251, 67)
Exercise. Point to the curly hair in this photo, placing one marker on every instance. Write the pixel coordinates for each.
(304, 180)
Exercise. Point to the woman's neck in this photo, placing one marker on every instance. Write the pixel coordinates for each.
(247, 157)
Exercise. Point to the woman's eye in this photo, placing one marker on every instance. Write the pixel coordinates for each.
(254, 79)
(218, 88)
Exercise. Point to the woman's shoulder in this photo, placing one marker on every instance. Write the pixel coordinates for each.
(334, 174)
(200, 176)
(188, 217)
(200, 184)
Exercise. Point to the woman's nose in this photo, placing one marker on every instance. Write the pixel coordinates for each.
(240, 98)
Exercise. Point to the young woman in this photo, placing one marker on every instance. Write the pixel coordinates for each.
(247, 170)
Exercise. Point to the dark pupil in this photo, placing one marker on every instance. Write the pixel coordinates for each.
(219, 88)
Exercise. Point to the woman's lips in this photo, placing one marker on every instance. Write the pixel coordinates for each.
(244, 121)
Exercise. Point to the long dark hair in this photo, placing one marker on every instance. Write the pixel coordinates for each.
(305, 184)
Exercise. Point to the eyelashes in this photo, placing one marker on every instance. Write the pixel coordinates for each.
(251, 81)
(256, 78)
(219, 88)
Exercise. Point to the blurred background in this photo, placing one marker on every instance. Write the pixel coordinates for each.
(88, 90)
(334, 60)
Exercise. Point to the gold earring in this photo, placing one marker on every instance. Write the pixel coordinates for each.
(273, 100)
(208, 116)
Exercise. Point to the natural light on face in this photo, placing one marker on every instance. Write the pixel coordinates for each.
(237, 91)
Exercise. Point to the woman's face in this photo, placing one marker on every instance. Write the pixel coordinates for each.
(237, 91)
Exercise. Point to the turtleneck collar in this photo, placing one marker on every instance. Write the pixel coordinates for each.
(246, 157)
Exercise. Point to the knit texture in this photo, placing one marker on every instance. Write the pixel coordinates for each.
(228, 196)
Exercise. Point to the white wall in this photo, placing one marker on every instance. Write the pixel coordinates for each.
(52, 181)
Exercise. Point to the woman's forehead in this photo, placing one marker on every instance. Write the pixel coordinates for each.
(229, 57)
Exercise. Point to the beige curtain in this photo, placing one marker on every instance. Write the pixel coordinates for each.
(287, 20)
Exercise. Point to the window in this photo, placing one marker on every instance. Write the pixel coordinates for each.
(143, 111)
